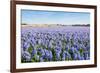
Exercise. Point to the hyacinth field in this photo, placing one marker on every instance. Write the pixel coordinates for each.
(65, 43)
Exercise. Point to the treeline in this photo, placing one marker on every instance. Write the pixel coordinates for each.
(62, 24)
(23, 24)
(81, 25)
(74, 25)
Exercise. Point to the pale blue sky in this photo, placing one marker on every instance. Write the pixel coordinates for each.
(54, 17)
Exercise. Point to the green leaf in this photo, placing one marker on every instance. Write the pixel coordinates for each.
(81, 51)
(30, 49)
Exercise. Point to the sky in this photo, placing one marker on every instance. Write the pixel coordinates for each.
(54, 17)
